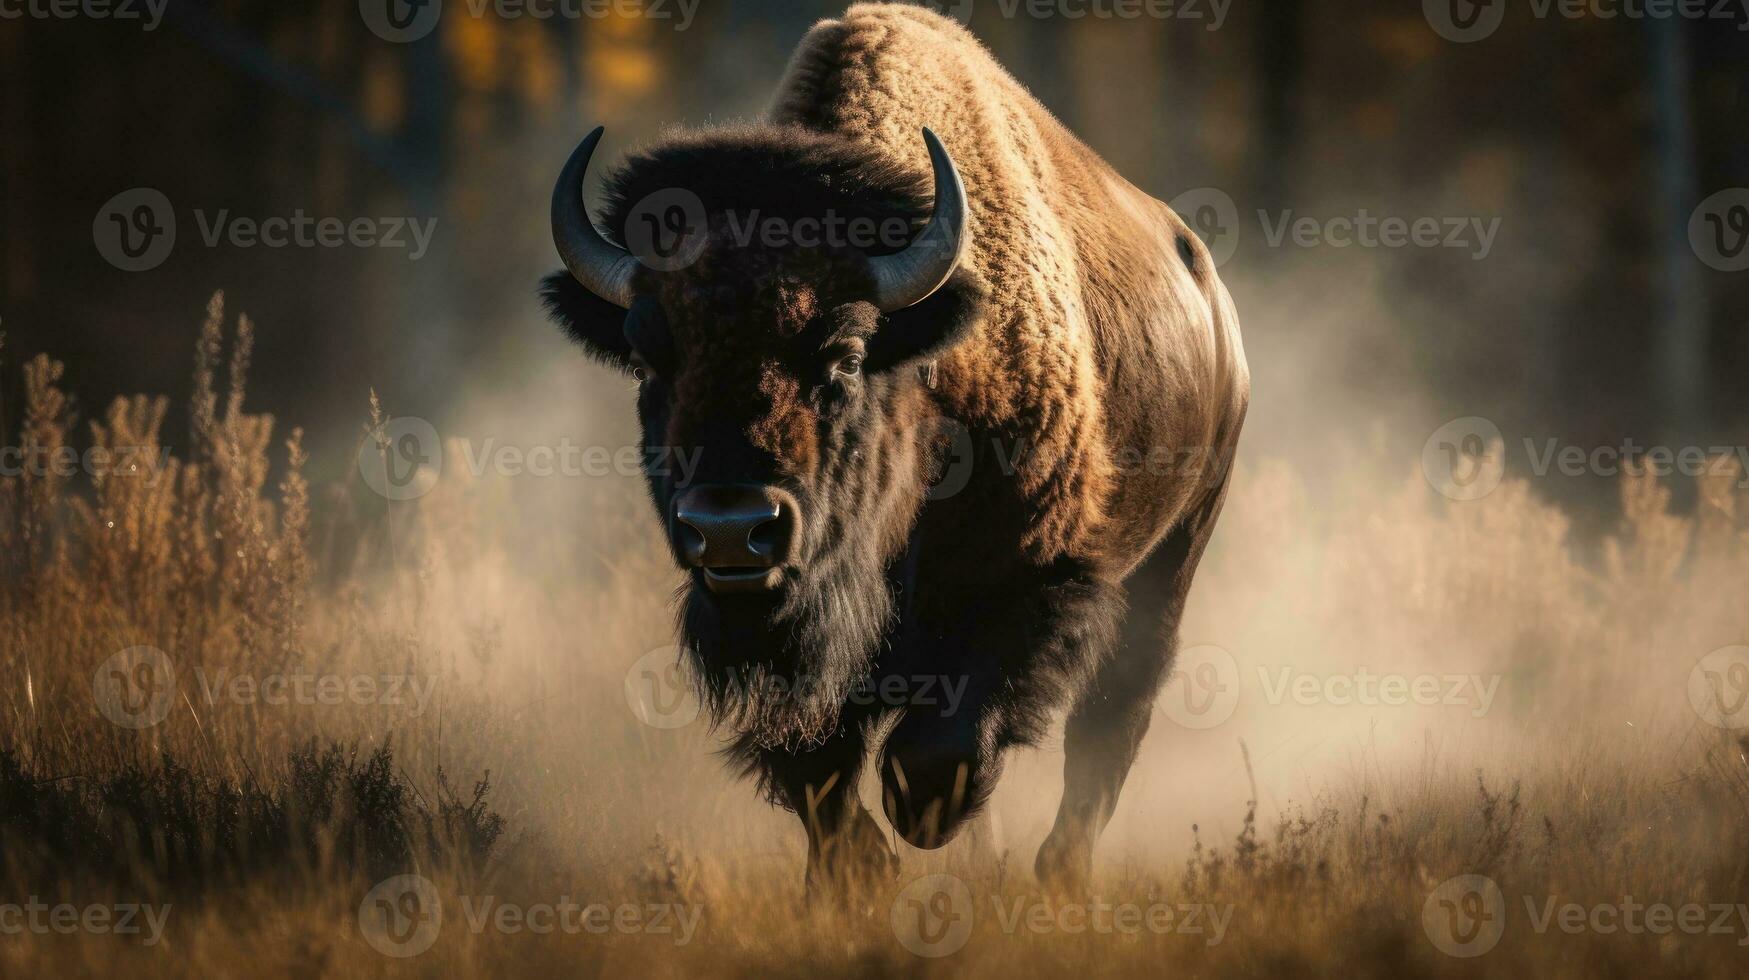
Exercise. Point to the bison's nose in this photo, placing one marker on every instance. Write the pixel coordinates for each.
(737, 534)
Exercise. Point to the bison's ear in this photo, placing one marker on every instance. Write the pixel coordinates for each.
(929, 328)
(594, 323)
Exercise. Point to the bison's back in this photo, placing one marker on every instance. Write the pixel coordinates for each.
(1100, 338)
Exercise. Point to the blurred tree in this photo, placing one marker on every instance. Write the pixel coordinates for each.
(1681, 375)
(1279, 42)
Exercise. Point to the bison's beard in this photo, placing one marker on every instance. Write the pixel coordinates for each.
(778, 672)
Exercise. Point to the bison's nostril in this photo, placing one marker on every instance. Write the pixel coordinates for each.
(690, 542)
(733, 526)
(769, 538)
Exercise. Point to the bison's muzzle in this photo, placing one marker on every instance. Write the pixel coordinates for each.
(737, 535)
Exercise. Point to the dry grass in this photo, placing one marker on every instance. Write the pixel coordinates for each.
(1317, 832)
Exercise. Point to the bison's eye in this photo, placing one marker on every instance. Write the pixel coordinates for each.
(640, 369)
(848, 366)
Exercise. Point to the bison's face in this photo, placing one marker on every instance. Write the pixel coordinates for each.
(803, 405)
(801, 410)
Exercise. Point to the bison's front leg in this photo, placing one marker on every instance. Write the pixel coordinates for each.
(846, 848)
(941, 762)
(1004, 654)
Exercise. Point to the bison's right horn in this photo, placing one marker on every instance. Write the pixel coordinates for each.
(908, 277)
(603, 268)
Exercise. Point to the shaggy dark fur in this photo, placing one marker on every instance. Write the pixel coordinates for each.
(1084, 339)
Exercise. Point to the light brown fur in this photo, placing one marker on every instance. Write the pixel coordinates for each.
(1091, 304)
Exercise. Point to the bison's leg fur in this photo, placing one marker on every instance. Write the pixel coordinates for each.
(1106, 725)
(846, 847)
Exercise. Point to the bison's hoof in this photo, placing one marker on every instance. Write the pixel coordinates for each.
(928, 797)
(1062, 867)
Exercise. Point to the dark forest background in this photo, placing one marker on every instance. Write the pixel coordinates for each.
(1591, 139)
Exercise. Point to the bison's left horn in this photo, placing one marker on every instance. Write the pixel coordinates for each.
(602, 267)
(908, 277)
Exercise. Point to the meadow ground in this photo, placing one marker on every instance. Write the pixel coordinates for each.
(286, 731)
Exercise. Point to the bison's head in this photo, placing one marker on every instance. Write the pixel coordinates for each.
(786, 339)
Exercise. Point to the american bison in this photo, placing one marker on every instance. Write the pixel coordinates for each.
(1042, 329)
